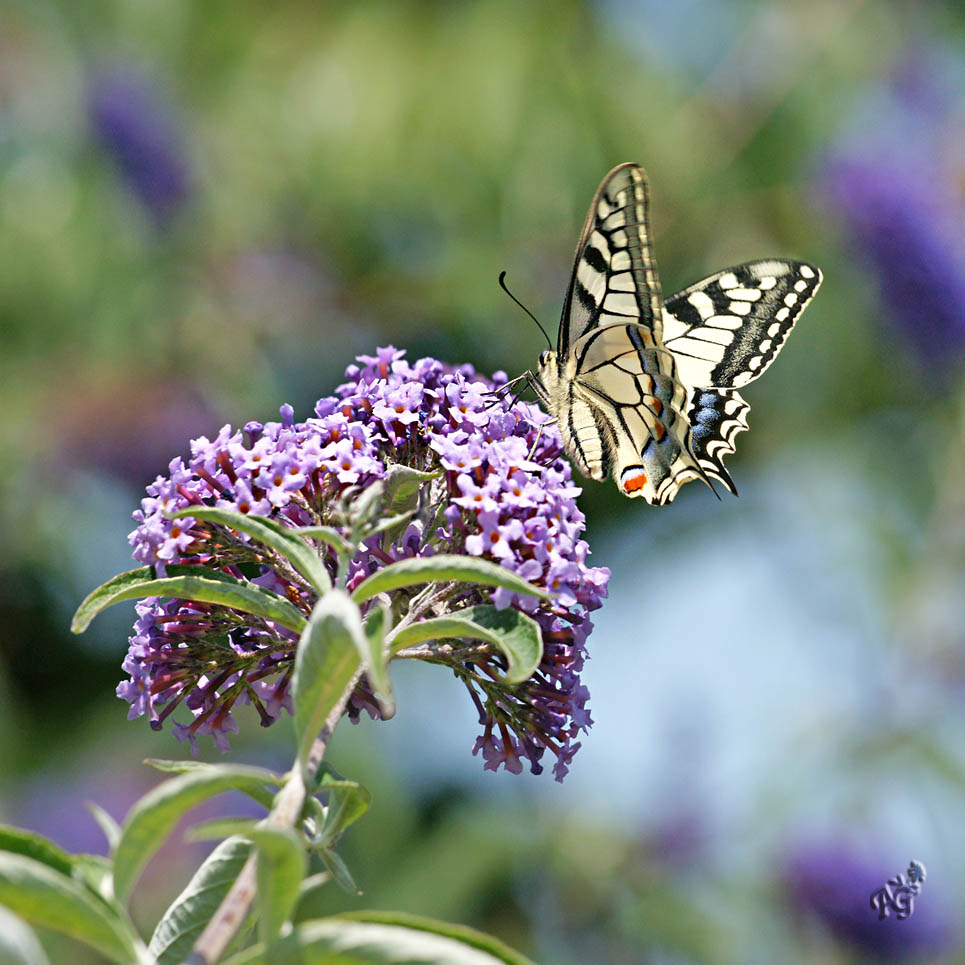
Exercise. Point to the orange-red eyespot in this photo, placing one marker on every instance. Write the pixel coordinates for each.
(634, 479)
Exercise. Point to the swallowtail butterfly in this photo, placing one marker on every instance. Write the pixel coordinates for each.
(646, 389)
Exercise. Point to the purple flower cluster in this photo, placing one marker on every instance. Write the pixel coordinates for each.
(499, 492)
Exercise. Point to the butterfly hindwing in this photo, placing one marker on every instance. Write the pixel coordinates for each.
(716, 416)
(639, 411)
(727, 329)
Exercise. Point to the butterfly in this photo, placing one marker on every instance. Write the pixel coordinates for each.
(646, 389)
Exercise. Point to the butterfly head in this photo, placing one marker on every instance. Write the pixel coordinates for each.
(548, 371)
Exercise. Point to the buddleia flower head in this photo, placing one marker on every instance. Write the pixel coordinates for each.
(494, 486)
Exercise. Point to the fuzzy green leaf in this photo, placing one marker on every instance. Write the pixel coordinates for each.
(374, 938)
(402, 485)
(339, 870)
(107, 824)
(191, 911)
(18, 943)
(154, 816)
(36, 846)
(281, 868)
(274, 535)
(347, 802)
(217, 829)
(443, 568)
(328, 657)
(327, 535)
(188, 583)
(49, 899)
(514, 633)
(376, 667)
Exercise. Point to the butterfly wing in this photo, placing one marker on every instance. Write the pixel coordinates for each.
(623, 403)
(614, 278)
(727, 329)
(620, 402)
(646, 391)
(716, 416)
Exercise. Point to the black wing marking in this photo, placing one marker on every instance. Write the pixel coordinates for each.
(727, 329)
(614, 277)
(716, 417)
(638, 412)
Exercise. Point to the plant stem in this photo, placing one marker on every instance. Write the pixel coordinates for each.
(285, 813)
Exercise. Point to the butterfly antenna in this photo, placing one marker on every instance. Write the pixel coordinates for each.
(502, 285)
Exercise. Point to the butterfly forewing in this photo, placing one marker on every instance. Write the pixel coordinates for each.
(727, 329)
(614, 278)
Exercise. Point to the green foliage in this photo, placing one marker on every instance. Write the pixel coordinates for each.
(281, 868)
(381, 939)
(50, 899)
(274, 536)
(153, 818)
(510, 631)
(188, 583)
(377, 623)
(188, 914)
(328, 660)
(436, 569)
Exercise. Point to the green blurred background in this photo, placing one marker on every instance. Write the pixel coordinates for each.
(208, 209)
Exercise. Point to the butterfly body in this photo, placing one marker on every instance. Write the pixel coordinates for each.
(646, 391)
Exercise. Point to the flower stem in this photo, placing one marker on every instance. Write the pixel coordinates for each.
(285, 813)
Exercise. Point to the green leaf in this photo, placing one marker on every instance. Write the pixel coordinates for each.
(87, 869)
(372, 938)
(402, 485)
(443, 568)
(219, 828)
(94, 870)
(376, 667)
(327, 535)
(365, 507)
(347, 802)
(188, 583)
(339, 870)
(271, 533)
(384, 525)
(49, 899)
(111, 829)
(514, 633)
(191, 911)
(18, 943)
(183, 767)
(281, 868)
(327, 659)
(36, 846)
(154, 816)
(312, 884)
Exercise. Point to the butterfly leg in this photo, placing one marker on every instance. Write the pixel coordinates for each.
(539, 432)
(497, 394)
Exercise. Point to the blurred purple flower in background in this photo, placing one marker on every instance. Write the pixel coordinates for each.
(136, 126)
(830, 882)
(900, 192)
